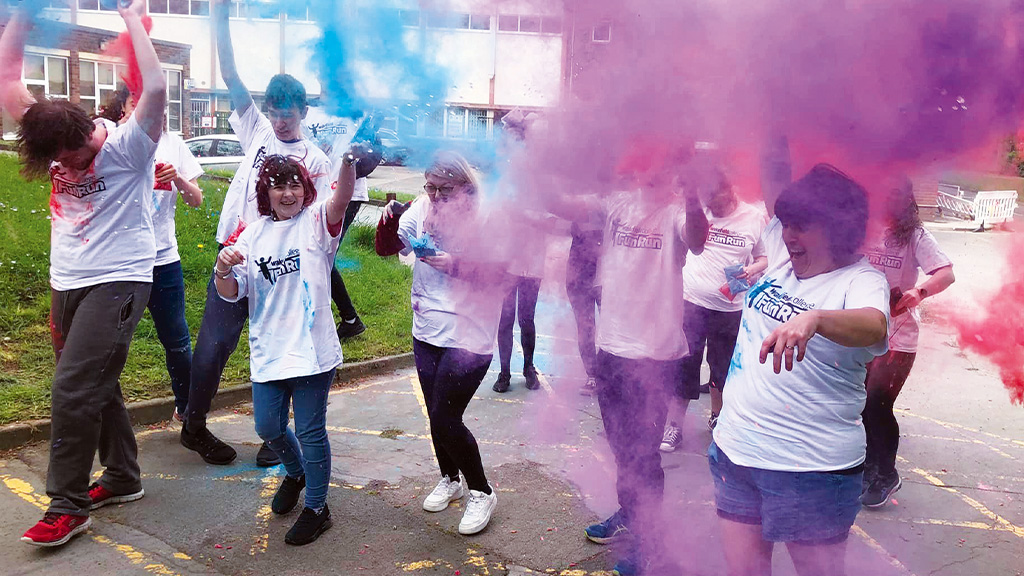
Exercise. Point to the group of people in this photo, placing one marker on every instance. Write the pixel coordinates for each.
(809, 342)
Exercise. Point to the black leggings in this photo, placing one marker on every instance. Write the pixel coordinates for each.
(525, 291)
(584, 297)
(449, 377)
(339, 294)
(885, 379)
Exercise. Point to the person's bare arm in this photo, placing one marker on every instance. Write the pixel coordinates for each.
(856, 328)
(240, 97)
(338, 202)
(697, 225)
(190, 191)
(224, 279)
(755, 268)
(938, 281)
(14, 96)
(776, 170)
(149, 112)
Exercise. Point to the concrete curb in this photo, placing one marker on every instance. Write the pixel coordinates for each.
(159, 409)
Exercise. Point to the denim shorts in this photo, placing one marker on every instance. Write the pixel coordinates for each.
(801, 507)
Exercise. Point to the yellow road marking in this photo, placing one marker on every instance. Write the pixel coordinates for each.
(981, 508)
(954, 426)
(24, 490)
(874, 545)
(415, 383)
(964, 441)
(259, 546)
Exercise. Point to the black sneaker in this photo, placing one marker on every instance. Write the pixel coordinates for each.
(532, 381)
(287, 494)
(870, 475)
(267, 457)
(503, 383)
(208, 446)
(309, 526)
(348, 329)
(878, 494)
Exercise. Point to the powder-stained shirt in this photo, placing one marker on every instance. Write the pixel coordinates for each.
(733, 239)
(807, 419)
(171, 150)
(287, 277)
(102, 220)
(448, 311)
(333, 134)
(641, 278)
(259, 141)
(900, 265)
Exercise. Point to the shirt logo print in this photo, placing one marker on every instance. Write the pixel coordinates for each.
(635, 236)
(723, 237)
(272, 269)
(769, 299)
(885, 260)
(78, 189)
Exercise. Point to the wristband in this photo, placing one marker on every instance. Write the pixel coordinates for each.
(219, 274)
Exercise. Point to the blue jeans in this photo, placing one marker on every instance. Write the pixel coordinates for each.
(307, 451)
(167, 307)
(218, 337)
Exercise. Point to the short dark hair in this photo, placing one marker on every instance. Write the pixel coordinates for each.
(828, 197)
(48, 128)
(277, 168)
(284, 91)
(113, 108)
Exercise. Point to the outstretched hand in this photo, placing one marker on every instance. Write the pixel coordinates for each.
(227, 259)
(789, 341)
(133, 8)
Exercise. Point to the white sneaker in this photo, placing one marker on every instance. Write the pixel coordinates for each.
(443, 494)
(672, 437)
(478, 512)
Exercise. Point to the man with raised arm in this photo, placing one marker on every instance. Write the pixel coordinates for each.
(102, 250)
(277, 132)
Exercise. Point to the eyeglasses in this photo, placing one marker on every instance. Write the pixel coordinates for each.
(443, 190)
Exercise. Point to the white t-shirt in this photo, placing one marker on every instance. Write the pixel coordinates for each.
(448, 311)
(641, 278)
(900, 266)
(333, 134)
(102, 221)
(734, 239)
(170, 150)
(259, 141)
(287, 277)
(807, 420)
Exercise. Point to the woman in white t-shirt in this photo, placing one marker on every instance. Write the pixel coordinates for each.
(458, 284)
(788, 450)
(713, 299)
(282, 262)
(904, 247)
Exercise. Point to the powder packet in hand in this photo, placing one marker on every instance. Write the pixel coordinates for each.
(734, 286)
(424, 246)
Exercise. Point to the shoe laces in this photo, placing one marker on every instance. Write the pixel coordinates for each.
(443, 486)
(477, 501)
(51, 518)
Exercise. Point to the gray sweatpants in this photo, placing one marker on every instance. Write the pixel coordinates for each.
(91, 329)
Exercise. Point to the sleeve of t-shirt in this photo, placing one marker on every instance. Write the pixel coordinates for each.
(325, 237)
(132, 143)
(759, 221)
(771, 242)
(869, 289)
(679, 222)
(188, 167)
(250, 127)
(241, 271)
(409, 223)
(927, 252)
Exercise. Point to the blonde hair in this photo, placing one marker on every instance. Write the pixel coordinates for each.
(453, 166)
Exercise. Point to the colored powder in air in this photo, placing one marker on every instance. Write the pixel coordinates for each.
(122, 48)
(997, 331)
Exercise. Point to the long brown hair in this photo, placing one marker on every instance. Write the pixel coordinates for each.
(903, 212)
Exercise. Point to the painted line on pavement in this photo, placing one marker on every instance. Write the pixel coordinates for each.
(414, 382)
(24, 490)
(964, 441)
(259, 545)
(427, 437)
(954, 426)
(981, 508)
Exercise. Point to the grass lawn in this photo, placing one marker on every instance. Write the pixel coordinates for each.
(379, 289)
(377, 194)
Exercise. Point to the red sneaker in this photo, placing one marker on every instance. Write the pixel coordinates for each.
(56, 529)
(101, 496)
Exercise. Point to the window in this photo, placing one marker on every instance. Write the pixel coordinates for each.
(551, 25)
(173, 100)
(447, 20)
(508, 22)
(177, 6)
(88, 4)
(97, 83)
(158, 6)
(477, 124)
(200, 7)
(602, 33)
(46, 76)
(529, 24)
(229, 148)
(200, 148)
(456, 122)
(480, 22)
(410, 18)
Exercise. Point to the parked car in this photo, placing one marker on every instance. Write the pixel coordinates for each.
(395, 152)
(217, 151)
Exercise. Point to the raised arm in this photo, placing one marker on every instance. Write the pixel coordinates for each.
(776, 170)
(14, 96)
(240, 97)
(149, 112)
(697, 225)
(338, 202)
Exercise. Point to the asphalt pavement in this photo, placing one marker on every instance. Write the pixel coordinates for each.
(960, 509)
